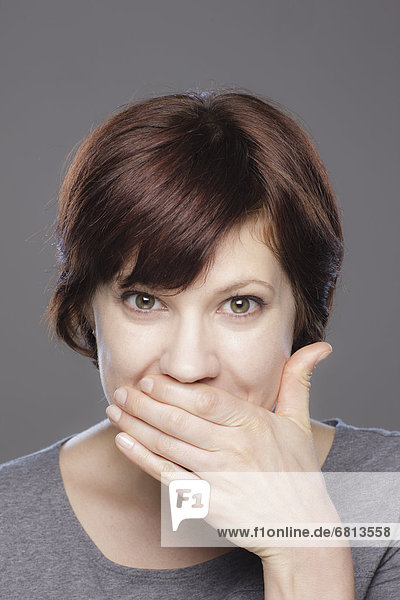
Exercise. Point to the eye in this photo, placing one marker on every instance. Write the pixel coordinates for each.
(241, 305)
(141, 301)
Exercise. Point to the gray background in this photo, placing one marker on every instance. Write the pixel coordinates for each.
(66, 65)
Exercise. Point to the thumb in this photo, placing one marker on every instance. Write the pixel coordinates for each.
(294, 391)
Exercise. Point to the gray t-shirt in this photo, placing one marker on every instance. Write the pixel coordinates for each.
(45, 554)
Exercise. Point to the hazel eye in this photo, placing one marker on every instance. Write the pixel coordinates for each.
(241, 304)
(244, 306)
(141, 301)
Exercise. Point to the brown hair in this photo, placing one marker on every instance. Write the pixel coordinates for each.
(166, 178)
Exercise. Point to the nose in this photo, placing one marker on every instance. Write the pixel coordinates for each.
(190, 354)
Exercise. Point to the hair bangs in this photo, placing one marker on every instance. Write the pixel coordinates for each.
(191, 194)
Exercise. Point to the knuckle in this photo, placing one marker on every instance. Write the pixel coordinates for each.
(257, 425)
(300, 375)
(176, 419)
(304, 379)
(163, 444)
(168, 395)
(147, 455)
(234, 442)
(242, 455)
(206, 402)
(133, 405)
(166, 467)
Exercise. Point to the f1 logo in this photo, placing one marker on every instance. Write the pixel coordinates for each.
(188, 502)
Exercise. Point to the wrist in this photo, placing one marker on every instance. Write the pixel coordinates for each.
(309, 573)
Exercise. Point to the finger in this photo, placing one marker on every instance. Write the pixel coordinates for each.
(205, 401)
(294, 391)
(157, 467)
(166, 446)
(171, 420)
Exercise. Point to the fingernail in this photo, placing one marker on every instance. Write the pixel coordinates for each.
(124, 440)
(120, 396)
(113, 412)
(324, 355)
(146, 384)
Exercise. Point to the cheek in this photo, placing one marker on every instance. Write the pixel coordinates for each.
(262, 373)
(123, 355)
(259, 356)
(257, 360)
(266, 382)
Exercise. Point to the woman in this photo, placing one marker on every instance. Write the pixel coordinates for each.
(199, 245)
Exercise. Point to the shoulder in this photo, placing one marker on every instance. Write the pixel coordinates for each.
(31, 510)
(356, 448)
(17, 467)
(27, 479)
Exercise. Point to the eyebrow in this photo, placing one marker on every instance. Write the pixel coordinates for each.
(243, 283)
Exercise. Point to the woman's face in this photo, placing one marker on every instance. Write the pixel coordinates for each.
(202, 334)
